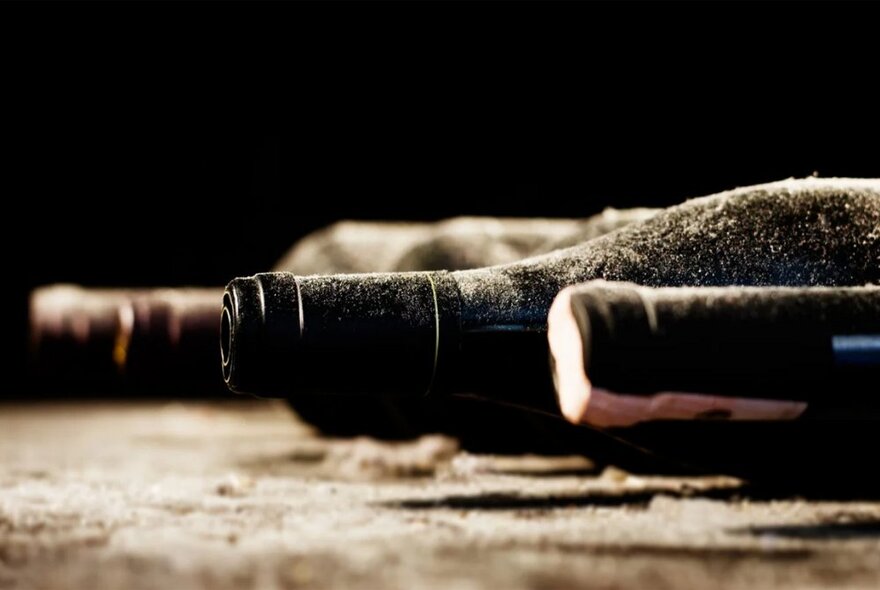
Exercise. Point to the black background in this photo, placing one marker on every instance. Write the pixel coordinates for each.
(189, 150)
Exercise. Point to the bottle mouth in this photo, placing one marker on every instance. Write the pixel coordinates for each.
(227, 333)
(260, 333)
(367, 334)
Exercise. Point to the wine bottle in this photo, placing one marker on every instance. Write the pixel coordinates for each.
(796, 232)
(625, 354)
(771, 384)
(125, 340)
(482, 332)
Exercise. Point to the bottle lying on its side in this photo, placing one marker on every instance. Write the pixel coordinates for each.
(787, 376)
(125, 341)
(624, 354)
(482, 333)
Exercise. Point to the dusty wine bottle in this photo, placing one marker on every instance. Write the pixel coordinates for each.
(483, 332)
(774, 385)
(626, 354)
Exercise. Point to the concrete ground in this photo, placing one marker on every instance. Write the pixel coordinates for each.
(241, 495)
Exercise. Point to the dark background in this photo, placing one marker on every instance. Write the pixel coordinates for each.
(131, 203)
(193, 153)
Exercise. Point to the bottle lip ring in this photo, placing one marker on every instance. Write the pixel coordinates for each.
(227, 333)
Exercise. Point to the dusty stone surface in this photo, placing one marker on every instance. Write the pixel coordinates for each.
(242, 495)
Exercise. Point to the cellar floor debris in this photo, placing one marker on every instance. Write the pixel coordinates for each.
(242, 495)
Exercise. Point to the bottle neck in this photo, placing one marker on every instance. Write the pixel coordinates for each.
(410, 334)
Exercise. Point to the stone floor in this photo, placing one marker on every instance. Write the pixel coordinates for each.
(241, 495)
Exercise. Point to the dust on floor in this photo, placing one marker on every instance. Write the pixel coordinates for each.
(242, 495)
